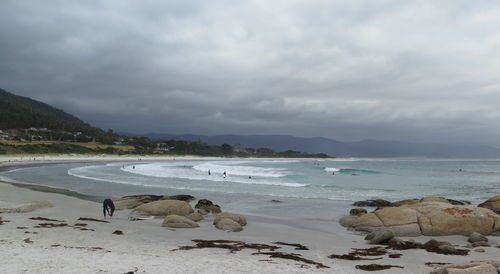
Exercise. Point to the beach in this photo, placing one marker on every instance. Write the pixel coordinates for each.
(86, 246)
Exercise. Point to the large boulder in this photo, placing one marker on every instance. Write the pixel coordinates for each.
(133, 201)
(176, 221)
(427, 218)
(240, 219)
(471, 268)
(492, 203)
(445, 219)
(228, 225)
(164, 208)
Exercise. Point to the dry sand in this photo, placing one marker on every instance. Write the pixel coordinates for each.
(146, 247)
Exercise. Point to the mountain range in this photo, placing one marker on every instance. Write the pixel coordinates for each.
(365, 148)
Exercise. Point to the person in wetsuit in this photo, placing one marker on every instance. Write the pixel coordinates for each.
(108, 206)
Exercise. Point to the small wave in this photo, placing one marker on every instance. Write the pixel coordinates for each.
(350, 170)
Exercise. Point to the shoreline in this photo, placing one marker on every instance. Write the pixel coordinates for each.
(146, 247)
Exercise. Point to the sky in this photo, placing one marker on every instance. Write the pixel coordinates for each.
(418, 71)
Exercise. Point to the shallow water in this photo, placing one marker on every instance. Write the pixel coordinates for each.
(305, 188)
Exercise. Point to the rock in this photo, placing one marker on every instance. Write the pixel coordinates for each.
(349, 221)
(374, 203)
(215, 209)
(406, 202)
(492, 204)
(481, 250)
(444, 219)
(471, 268)
(434, 199)
(456, 202)
(397, 216)
(195, 216)
(164, 208)
(370, 236)
(476, 237)
(228, 225)
(208, 206)
(133, 201)
(434, 217)
(176, 221)
(369, 220)
(408, 230)
(240, 219)
(357, 211)
(203, 211)
(447, 247)
(27, 208)
(203, 203)
(381, 237)
(180, 197)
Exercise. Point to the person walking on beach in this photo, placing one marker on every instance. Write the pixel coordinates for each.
(108, 206)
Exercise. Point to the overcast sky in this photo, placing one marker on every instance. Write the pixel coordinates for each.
(423, 71)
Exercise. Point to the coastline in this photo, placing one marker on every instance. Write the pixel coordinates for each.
(146, 247)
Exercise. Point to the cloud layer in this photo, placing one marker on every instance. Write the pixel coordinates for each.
(349, 70)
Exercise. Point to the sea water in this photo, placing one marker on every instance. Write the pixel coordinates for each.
(285, 188)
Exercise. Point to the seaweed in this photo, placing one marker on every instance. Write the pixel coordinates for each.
(118, 232)
(227, 244)
(44, 219)
(376, 267)
(291, 256)
(92, 219)
(297, 246)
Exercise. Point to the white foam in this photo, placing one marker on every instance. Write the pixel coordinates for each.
(331, 169)
(235, 174)
(241, 170)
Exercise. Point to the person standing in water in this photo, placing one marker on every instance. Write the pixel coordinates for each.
(209, 172)
(224, 174)
(109, 207)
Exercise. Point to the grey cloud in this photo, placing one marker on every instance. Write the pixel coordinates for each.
(349, 70)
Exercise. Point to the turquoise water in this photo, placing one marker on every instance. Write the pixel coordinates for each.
(250, 185)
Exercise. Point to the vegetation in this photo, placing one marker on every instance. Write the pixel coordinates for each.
(28, 126)
(22, 113)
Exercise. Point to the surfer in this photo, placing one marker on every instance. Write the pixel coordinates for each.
(209, 172)
(224, 174)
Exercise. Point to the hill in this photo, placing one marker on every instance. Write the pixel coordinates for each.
(21, 113)
(366, 148)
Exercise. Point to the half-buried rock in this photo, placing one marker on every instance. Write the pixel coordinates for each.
(176, 221)
(228, 225)
(196, 216)
(230, 221)
(164, 208)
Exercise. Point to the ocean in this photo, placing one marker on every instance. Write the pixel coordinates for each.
(281, 188)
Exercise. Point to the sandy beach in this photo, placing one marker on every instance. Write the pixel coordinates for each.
(84, 246)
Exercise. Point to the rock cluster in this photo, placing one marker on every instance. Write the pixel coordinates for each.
(178, 212)
(431, 216)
